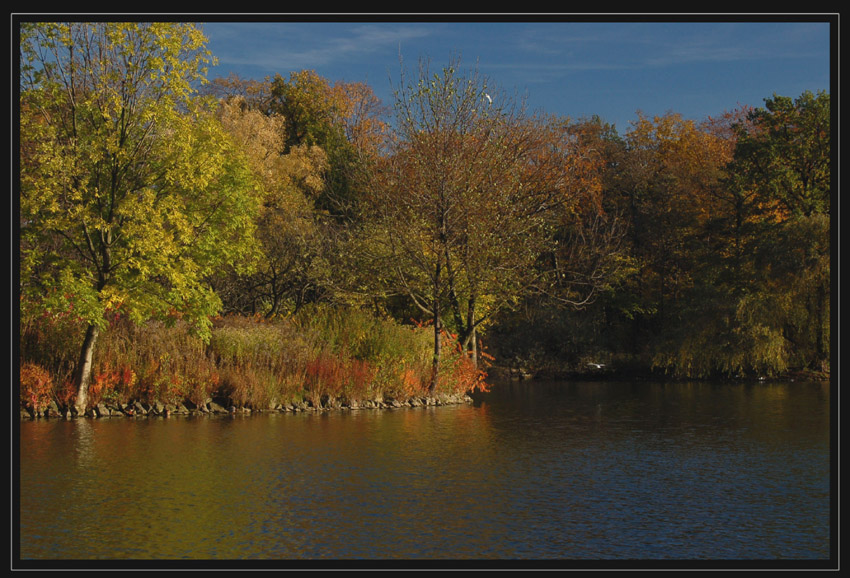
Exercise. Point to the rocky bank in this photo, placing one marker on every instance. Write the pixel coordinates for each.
(213, 406)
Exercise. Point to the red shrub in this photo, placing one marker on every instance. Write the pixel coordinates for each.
(36, 386)
(111, 383)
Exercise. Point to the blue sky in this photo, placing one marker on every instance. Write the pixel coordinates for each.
(575, 69)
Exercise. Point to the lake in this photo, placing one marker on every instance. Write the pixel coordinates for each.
(558, 471)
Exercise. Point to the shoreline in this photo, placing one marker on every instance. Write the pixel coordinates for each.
(505, 373)
(213, 406)
(221, 406)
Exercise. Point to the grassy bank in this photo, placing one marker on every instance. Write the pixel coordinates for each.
(320, 355)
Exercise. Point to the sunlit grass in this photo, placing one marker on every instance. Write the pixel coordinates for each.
(321, 357)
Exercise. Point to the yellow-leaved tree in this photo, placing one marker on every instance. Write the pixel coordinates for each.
(131, 193)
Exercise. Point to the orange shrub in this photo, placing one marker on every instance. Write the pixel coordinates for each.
(36, 386)
(111, 383)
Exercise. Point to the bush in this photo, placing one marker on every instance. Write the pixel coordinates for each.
(36, 387)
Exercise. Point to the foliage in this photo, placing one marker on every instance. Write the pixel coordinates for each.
(323, 355)
(727, 264)
(50, 340)
(698, 249)
(131, 192)
(36, 387)
(154, 361)
(288, 233)
(312, 143)
(785, 149)
(759, 298)
(343, 119)
(470, 199)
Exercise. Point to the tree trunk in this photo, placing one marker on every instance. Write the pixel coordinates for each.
(473, 337)
(435, 370)
(84, 369)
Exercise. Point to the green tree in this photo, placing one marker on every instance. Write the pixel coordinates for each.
(785, 147)
(131, 191)
(782, 161)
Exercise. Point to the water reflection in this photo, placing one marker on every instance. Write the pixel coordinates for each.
(540, 470)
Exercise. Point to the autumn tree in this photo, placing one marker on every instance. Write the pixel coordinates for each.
(729, 229)
(343, 119)
(566, 319)
(466, 198)
(585, 253)
(667, 177)
(760, 299)
(255, 93)
(131, 192)
(311, 142)
(288, 235)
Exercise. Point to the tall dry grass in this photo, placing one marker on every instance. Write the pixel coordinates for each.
(319, 356)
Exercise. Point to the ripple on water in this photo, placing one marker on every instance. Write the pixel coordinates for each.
(610, 471)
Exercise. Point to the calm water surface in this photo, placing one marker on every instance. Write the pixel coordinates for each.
(531, 470)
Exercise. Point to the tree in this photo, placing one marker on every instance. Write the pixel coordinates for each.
(466, 197)
(288, 234)
(341, 118)
(585, 253)
(668, 181)
(255, 93)
(131, 192)
(782, 159)
(786, 145)
(567, 317)
(311, 143)
(729, 226)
